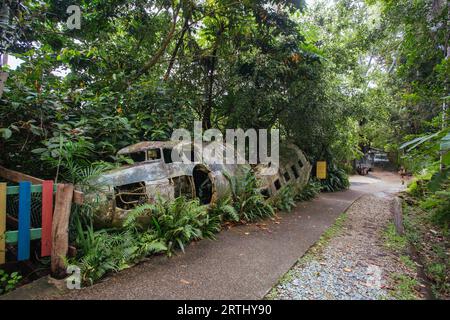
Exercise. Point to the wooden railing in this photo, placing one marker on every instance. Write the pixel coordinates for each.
(15, 176)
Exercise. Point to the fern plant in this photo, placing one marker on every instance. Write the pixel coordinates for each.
(176, 222)
(104, 251)
(248, 201)
(309, 192)
(224, 209)
(284, 200)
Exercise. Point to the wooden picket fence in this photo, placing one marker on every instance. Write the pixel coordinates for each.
(53, 233)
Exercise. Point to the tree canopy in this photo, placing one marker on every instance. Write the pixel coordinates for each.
(335, 77)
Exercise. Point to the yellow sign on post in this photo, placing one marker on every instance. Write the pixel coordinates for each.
(321, 171)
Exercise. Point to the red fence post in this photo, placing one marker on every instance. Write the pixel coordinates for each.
(47, 216)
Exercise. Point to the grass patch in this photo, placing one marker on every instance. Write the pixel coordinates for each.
(405, 287)
(407, 262)
(394, 241)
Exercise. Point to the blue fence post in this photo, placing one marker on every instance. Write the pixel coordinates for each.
(24, 220)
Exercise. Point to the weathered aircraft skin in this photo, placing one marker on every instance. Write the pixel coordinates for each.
(119, 190)
(294, 169)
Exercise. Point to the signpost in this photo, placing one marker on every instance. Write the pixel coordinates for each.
(321, 170)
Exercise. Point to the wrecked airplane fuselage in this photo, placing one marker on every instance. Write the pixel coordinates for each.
(154, 174)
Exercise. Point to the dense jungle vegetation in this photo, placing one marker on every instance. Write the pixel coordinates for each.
(336, 77)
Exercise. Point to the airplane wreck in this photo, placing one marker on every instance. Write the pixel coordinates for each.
(154, 174)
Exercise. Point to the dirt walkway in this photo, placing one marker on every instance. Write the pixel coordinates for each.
(243, 263)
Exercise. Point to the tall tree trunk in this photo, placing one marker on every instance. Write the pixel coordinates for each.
(445, 103)
(207, 111)
(177, 47)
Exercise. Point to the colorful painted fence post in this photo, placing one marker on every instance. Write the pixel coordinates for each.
(26, 233)
(47, 217)
(23, 252)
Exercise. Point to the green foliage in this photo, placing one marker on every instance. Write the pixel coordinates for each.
(309, 192)
(224, 209)
(407, 262)
(405, 287)
(437, 272)
(105, 251)
(337, 180)
(284, 200)
(8, 282)
(393, 240)
(431, 249)
(417, 188)
(177, 222)
(121, 86)
(181, 221)
(247, 198)
(170, 226)
(441, 213)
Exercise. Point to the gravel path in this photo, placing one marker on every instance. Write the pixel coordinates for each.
(354, 264)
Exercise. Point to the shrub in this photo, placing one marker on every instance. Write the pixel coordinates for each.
(8, 282)
(309, 192)
(337, 179)
(224, 209)
(441, 215)
(177, 222)
(172, 224)
(101, 252)
(417, 188)
(284, 200)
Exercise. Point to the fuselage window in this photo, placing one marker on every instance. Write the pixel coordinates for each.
(137, 156)
(266, 193)
(295, 171)
(286, 176)
(153, 154)
(277, 184)
(167, 155)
